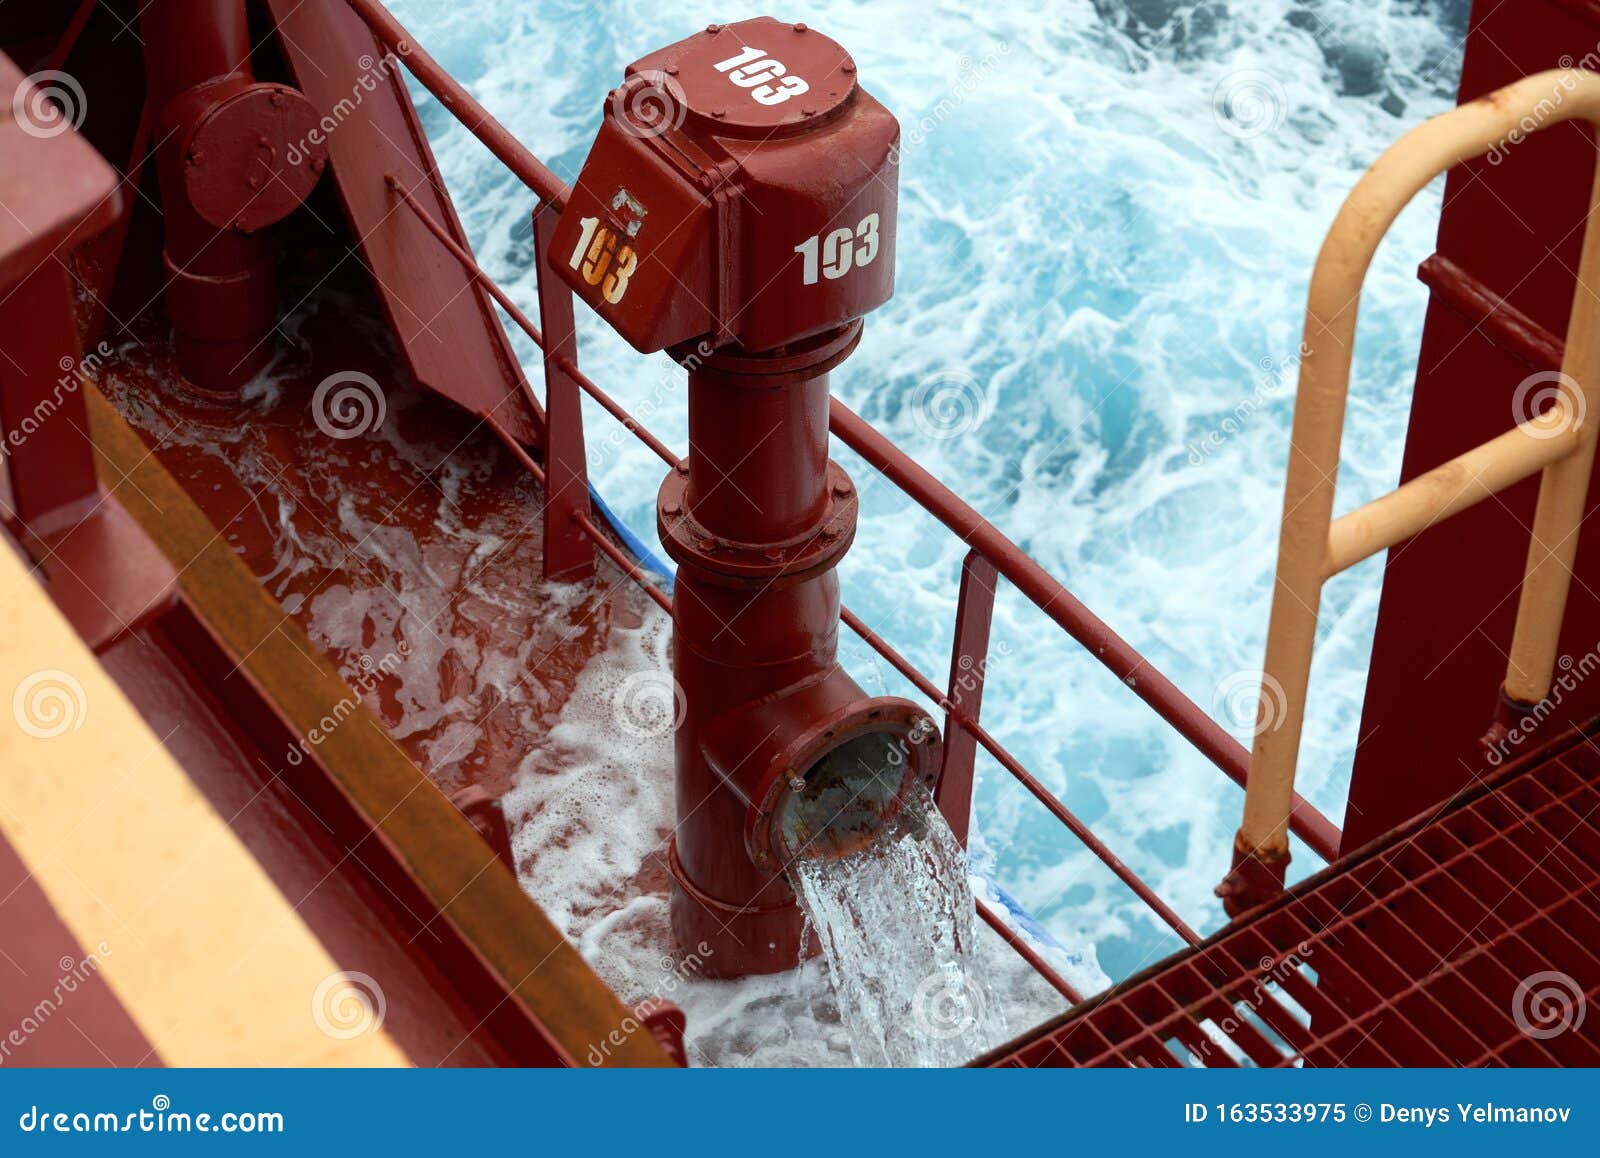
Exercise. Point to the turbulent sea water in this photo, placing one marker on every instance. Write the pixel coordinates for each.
(1109, 213)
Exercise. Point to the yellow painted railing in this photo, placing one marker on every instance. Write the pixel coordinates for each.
(1559, 442)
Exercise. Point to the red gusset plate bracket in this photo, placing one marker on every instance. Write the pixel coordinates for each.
(445, 324)
(969, 659)
(568, 554)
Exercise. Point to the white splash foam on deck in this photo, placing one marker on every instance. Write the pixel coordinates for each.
(590, 818)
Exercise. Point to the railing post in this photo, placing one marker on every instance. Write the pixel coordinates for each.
(969, 657)
(1309, 552)
(1563, 491)
(568, 555)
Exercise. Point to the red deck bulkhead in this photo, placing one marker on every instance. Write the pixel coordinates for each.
(738, 208)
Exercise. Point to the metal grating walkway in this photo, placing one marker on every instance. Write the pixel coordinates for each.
(1469, 936)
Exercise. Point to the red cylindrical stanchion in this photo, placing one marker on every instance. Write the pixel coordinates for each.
(234, 156)
(738, 207)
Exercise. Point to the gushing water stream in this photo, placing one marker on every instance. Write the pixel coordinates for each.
(898, 929)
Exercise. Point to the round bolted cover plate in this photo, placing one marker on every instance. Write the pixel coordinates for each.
(755, 76)
(252, 161)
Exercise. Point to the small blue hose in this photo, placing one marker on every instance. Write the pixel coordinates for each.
(1025, 920)
(647, 558)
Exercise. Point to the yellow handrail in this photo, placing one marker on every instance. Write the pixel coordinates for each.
(1313, 547)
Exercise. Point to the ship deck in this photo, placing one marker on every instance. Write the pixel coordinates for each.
(407, 550)
(389, 577)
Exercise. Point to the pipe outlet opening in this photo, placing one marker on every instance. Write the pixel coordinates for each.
(845, 799)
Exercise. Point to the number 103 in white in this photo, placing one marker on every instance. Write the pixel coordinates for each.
(837, 253)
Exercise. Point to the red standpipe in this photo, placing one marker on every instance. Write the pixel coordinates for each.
(780, 753)
(738, 208)
(234, 156)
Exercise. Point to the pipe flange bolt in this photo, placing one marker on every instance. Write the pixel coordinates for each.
(757, 564)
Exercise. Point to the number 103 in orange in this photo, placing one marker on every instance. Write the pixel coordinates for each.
(604, 259)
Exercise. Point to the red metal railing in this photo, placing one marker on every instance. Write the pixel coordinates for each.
(993, 555)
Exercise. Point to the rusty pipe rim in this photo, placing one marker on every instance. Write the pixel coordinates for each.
(825, 780)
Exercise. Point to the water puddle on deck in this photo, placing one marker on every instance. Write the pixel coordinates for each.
(898, 929)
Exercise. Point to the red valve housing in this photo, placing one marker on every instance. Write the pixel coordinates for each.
(742, 189)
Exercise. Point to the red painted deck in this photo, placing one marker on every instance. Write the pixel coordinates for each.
(409, 549)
